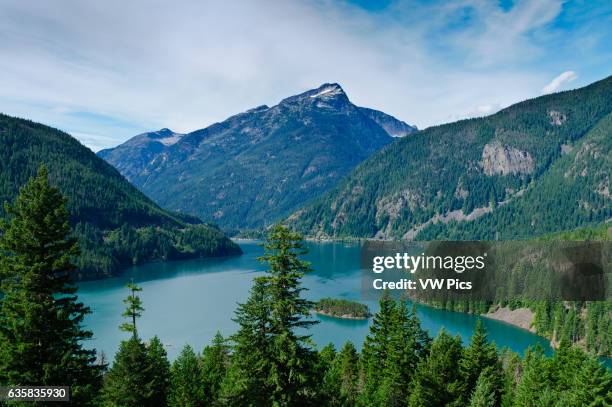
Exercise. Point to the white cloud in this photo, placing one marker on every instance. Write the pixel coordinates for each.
(565, 78)
(148, 64)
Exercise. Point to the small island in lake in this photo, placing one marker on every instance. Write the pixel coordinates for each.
(340, 308)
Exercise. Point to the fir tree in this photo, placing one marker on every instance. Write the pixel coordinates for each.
(160, 372)
(41, 320)
(133, 311)
(375, 350)
(347, 361)
(186, 389)
(407, 344)
(246, 382)
(478, 356)
(535, 385)
(437, 380)
(329, 370)
(293, 361)
(215, 361)
(593, 385)
(484, 394)
(129, 382)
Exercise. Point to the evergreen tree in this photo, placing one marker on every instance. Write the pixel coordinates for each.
(215, 361)
(329, 369)
(160, 372)
(293, 361)
(484, 394)
(133, 311)
(347, 361)
(41, 320)
(477, 357)
(186, 389)
(437, 380)
(246, 382)
(129, 382)
(375, 350)
(593, 385)
(535, 386)
(407, 344)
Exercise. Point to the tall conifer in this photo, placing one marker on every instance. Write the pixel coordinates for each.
(41, 320)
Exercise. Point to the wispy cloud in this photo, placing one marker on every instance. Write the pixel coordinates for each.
(563, 79)
(108, 70)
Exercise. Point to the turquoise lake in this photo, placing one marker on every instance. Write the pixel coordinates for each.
(186, 302)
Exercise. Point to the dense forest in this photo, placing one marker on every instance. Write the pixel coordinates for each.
(540, 166)
(116, 225)
(342, 308)
(270, 360)
(524, 279)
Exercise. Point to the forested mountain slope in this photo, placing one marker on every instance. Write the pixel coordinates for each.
(539, 166)
(258, 166)
(116, 224)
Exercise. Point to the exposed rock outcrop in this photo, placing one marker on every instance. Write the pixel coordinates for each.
(498, 159)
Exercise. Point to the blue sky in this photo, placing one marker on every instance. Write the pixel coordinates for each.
(105, 71)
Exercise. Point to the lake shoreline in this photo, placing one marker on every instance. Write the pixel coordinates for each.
(345, 316)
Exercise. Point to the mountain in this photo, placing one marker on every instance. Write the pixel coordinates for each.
(540, 166)
(115, 223)
(393, 126)
(258, 166)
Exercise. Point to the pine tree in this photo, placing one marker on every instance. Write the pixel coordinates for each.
(407, 345)
(593, 385)
(133, 311)
(246, 382)
(535, 386)
(484, 394)
(41, 320)
(129, 382)
(375, 350)
(160, 372)
(437, 380)
(329, 370)
(215, 361)
(478, 356)
(293, 360)
(347, 361)
(186, 389)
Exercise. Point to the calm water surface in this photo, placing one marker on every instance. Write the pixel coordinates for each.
(186, 302)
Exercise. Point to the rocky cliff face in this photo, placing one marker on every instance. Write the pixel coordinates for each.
(258, 166)
(504, 160)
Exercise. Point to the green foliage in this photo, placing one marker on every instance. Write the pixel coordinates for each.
(478, 357)
(160, 372)
(133, 311)
(437, 380)
(130, 381)
(402, 190)
(347, 361)
(485, 393)
(114, 223)
(41, 320)
(186, 389)
(215, 362)
(392, 350)
(340, 307)
(272, 361)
